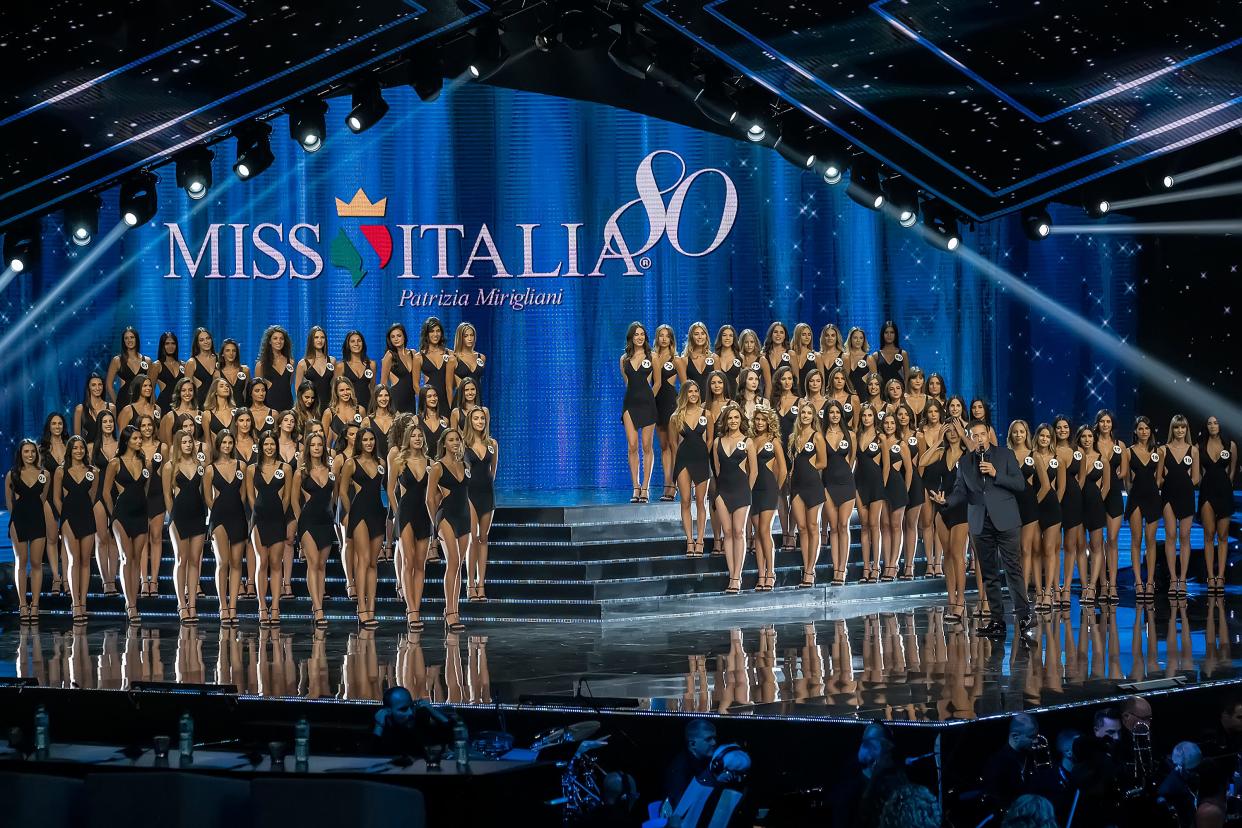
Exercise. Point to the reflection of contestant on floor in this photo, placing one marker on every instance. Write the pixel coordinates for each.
(901, 665)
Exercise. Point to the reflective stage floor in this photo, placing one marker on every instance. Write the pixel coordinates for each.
(894, 659)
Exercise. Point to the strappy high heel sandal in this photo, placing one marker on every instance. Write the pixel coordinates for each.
(265, 618)
(838, 578)
(907, 575)
(634, 497)
(808, 579)
(370, 623)
(888, 577)
(643, 497)
(455, 625)
(132, 617)
(318, 619)
(1087, 596)
(79, 614)
(734, 587)
(669, 494)
(413, 622)
(955, 614)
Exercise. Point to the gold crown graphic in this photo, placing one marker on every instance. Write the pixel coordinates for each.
(361, 206)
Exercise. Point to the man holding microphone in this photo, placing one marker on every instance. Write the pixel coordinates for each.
(988, 480)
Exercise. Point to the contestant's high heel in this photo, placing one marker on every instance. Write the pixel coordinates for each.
(455, 625)
(634, 497)
(668, 494)
(642, 495)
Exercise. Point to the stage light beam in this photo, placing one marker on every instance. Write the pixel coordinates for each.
(1157, 228)
(1229, 188)
(1200, 399)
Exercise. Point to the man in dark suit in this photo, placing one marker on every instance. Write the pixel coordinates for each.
(988, 480)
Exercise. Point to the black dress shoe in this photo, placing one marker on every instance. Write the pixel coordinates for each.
(1028, 628)
(995, 630)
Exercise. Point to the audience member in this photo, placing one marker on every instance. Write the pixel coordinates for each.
(404, 727)
(716, 798)
(1004, 774)
(1107, 724)
(910, 806)
(1224, 737)
(1030, 811)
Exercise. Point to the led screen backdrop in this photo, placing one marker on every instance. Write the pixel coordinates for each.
(549, 224)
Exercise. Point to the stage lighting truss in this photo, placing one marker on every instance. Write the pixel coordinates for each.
(82, 219)
(368, 106)
(306, 123)
(21, 241)
(138, 199)
(194, 171)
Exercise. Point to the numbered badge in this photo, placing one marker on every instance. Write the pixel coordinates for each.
(873, 446)
(1116, 449)
(202, 457)
(1098, 464)
(42, 477)
(862, 363)
(646, 363)
(357, 418)
(279, 475)
(1155, 458)
(1029, 461)
(785, 357)
(146, 474)
(1224, 454)
(703, 420)
(754, 366)
(709, 362)
(158, 458)
(1054, 463)
(768, 447)
(843, 445)
(1078, 455)
(241, 376)
(268, 420)
(369, 374)
(1186, 461)
(668, 366)
(809, 447)
(848, 408)
(899, 358)
(144, 365)
(90, 477)
(741, 444)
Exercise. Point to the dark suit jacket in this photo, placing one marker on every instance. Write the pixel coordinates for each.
(982, 494)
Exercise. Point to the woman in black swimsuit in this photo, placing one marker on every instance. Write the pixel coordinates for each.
(1218, 465)
(1050, 487)
(203, 364)
(839, 486)
(355, 366)
(149, 562)
(25, 493)
(1177, 475)
(314, 493)
(688, 430)
(167, 369)
(86, 413)
(74, 487)
(467, 362)
(448, 499)
(127, 364)
(1143, 507)
(1018, 439)
(101, 452)
(267, 492)
(638, 410)
(222, 489)
(736, 472)
(234, 372)
(891, 361)
(769, 480)
(896, 469)
(437, 361)
(183, 403)
(869, 483)
(400, 369)
(407, 488)
(316, 366)
(808, 456)
(275, 364)
(483, 459)
(363, 478)
(1074, 537)
(664, 356)
(182, 478)
(125, 489)
(52, 455)
(1094, 478)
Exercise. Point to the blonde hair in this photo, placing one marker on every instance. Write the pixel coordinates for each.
(468, 427)
(769, 417)
(687, 349)
(866, 347)
(403, 446)
(795, 341)
(823, 334)
(1178, 419)
(679, 412)
(803, 403)
(1030, 445)
(459, 337)
(672, 339)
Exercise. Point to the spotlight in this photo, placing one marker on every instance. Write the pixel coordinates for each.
(368, 106)
(1160, 177)
(1036, 222)
(941, 223)
(254, 149)
(833, 157)
(82, 219)
(138, 199)
(864, 186)
(754, 108)
(903, 195)
(21, 241)
(489, 52)
(630, 58)
(794, 145)
(715, 106)
(194, 171)
(570, 25)
(1095, 204)
(426, 76)
(306, 123)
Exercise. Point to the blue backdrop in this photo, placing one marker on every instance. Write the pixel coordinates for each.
(505, 167)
